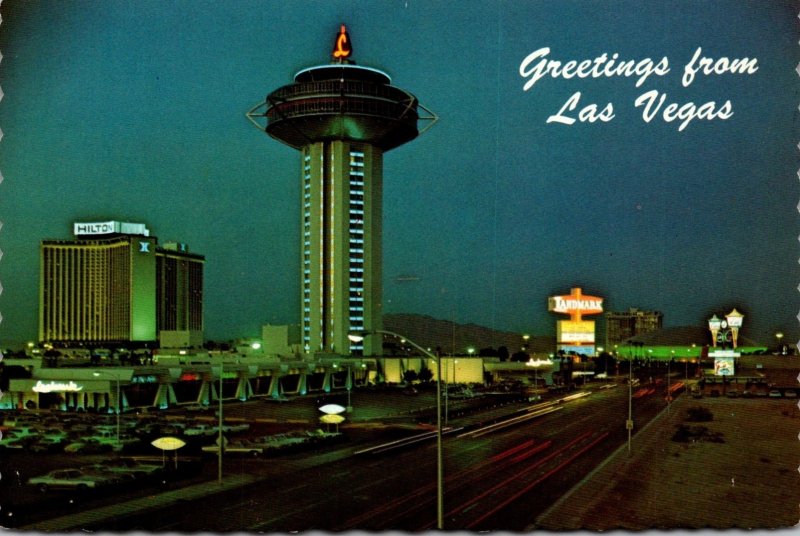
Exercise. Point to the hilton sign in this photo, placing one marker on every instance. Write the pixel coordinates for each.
(109, 227)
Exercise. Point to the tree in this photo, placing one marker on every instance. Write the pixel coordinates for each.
(520, 356)
(425, 374)
(502, 352)
(410, 376)
(604, 363)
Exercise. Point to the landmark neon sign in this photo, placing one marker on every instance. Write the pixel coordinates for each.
(575, 332)
(342, 49)
(576, 304)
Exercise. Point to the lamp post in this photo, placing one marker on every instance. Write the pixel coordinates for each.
(348, 383)
(598, 353)
(119, 402)
(358, 337)
(779, 336)
(220, 439)
(669, 395)
(629, 422)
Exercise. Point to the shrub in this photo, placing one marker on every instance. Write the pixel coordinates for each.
(699, 414)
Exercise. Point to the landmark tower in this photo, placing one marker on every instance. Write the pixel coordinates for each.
(342, 117)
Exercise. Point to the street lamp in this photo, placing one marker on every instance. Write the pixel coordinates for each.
(358, 337)
(220, 438)
(779, 336)
(348, 384)
(116, 378)
(629, 422)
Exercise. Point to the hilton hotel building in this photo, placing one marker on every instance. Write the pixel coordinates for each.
(113, 284)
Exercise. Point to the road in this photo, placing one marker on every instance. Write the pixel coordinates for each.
(498, 480)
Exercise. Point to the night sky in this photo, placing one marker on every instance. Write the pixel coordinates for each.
(135, 111)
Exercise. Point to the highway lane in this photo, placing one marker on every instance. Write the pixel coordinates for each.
(396, 490)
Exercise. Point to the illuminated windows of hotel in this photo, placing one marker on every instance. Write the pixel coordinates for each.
(356, 245)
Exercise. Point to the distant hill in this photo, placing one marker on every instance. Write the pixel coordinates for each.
(684, 335)
(453, 338)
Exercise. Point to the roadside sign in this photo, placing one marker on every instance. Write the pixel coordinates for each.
(629, 424)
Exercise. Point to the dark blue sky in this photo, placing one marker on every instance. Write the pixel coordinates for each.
(135, 111)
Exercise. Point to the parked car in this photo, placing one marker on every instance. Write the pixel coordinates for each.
(87, 446)
(132, 466)
(200, 430)
(774, 393)
(235, 428)
(197, 408)
(113, 441)
(69, 479)
(242, 446)
(14, 442)
(48, 444)
(790, 393)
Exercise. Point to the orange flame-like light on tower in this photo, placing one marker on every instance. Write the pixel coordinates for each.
(342, 49)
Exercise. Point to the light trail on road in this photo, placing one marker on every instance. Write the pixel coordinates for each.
(536, 482)
(382, 516)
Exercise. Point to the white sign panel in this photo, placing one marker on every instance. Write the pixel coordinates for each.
(577, 337)
(97, 228)
(109, 227)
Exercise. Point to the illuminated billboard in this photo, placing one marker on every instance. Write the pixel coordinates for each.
(580, 350)
(575, 304)
(723, 366)
(575, 335)
(109, 227)
(570, 331)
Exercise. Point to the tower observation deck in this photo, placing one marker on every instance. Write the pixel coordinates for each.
(342, 117)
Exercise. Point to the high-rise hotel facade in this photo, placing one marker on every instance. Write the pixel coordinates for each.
(113, 284)
(341, 243)
(342, 118)
(622, 325)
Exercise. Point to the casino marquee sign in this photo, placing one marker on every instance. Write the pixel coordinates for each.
(576, 334)
(575, 304)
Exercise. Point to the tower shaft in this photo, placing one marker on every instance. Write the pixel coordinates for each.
(341, 243)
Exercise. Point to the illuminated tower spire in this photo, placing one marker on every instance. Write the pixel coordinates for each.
(342, 118)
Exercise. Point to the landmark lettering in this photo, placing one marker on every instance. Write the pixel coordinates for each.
(577, 305)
